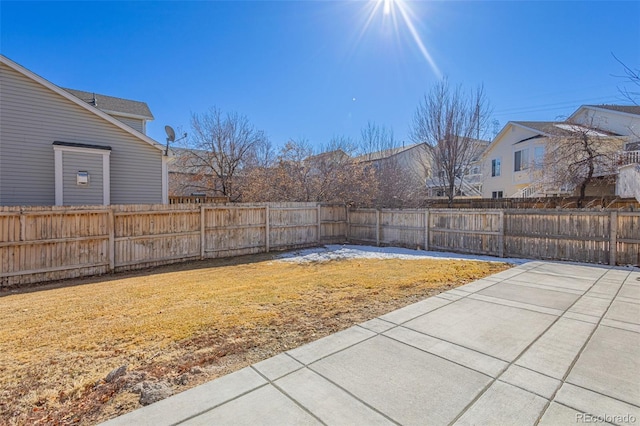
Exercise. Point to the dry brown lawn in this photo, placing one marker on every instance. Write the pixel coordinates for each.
(187, 324)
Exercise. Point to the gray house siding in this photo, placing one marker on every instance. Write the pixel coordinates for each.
(33, 116)
(131, 122)
(72, 193)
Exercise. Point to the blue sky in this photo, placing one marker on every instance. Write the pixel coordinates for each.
(319, 69)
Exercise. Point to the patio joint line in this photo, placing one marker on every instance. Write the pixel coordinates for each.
(524, 308)
(521, 388)
(442, 340)
(348, 392)
(283, 392)
(442, 357)
(193, 416)
(602, 394)
(337, 351)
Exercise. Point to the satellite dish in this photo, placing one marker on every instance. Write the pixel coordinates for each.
(171, 134)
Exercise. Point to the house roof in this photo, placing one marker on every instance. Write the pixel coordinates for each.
(336, 154)
(113, 105)
(35, 77)
(385, 153)
(628, 109)
(561, 128)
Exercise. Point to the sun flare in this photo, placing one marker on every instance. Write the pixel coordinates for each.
(402, 17)
(387, 6)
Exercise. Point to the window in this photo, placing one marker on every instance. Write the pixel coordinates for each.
(495, 167)
(521, 160)
(496, 194)
(538, 157)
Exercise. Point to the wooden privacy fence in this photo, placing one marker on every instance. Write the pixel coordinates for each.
(604, 237)
(50, 243)
(43, 244)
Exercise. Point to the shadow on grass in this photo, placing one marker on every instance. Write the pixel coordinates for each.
(189, 265)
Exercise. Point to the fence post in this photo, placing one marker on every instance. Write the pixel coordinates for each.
(266, 228)
(23, 227)
(348, 224)
(501, 237)
(203, 229)
(112, 243)
(613, 238)
(319, 223)
(426, 229)
(377, 227)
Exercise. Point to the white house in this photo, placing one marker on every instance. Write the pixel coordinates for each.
(66, 147)
(622, 120)
(413, 159)
(514, 164)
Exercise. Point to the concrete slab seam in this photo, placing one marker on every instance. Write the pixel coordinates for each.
(284, 375)
(548, 287)
(526, 390)
(609, 325)
(374, 409)
(279, 389)
(193, 416)
(584, 345)
(447, 359)
(339, 350)
(518, 305)
(601, 394)
(574, 317)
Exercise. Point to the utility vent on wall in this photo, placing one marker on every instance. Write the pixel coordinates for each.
(82, 178)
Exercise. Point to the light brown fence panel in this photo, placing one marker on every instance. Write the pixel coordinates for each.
(233, 231)
(291, 227)
(466, 231)
(576, 236)
(333, 219)
(628, 238)
(155, 237)
(402, 228)
(51, 244)
(363, 226)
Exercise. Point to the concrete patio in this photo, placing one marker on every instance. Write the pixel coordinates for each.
(542, 343)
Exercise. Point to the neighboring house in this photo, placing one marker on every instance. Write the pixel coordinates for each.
(66, 147)
(469, 184)
(413, 159)
(515, 163)
(619, 119)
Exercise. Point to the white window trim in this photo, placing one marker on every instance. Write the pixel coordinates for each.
(491, 167)
(58, 151)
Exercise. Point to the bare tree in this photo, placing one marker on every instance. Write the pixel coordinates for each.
(632, 76)
(450, 121)
(375, 138)
(400, 170)
(222, 145)
(580, 158)
(299, 174)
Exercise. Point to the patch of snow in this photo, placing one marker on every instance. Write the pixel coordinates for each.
(339, 252)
